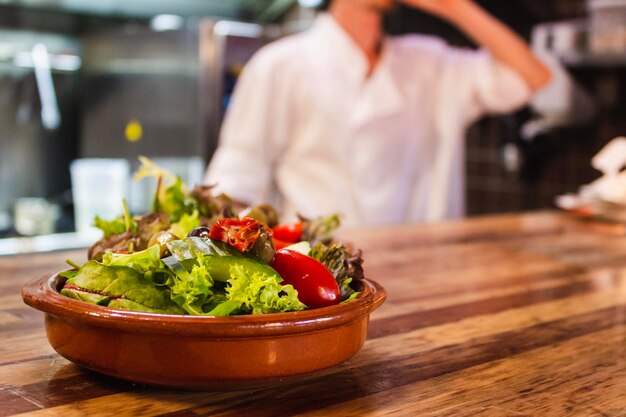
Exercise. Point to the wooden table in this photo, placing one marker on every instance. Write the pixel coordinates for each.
(520, 315)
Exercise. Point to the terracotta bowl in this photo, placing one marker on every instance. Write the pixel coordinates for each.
(213, 353)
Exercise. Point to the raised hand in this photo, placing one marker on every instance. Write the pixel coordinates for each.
(489, 33)
(442, 8)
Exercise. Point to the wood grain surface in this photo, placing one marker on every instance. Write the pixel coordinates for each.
(516, 315)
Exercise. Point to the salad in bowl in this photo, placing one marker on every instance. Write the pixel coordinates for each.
(205, 293)
(203, 254)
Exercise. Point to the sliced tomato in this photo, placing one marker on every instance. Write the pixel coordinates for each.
(315, 284)
(238, 233)
(288, 232)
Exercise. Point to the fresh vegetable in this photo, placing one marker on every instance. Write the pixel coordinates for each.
(226, 262)
(291, 232)
(247, 286)
(320, 229)
(245, 235)
(161, 239)
(240, 234)
(212, 207)
(131, 240)
(261, 293)
(142, 262)
(201, 278)
(185, 224)
(344, 265)
(316, 286)
(279, 244)
(302, 247)
(110, 227)
(119, 225)
(263, 213)
(219, 257)
(201, 231)
(245, 289)
(117, 286)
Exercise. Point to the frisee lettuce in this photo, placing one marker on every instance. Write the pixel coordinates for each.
(193, 290)
(260, 293)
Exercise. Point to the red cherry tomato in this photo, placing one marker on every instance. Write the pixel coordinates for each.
(315, 284)
(279, 244)
(288, 232)
(240, 234)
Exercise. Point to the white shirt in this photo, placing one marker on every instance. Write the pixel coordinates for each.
(309, 132)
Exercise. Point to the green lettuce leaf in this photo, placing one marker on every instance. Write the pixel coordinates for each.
(223, 308)
(109, 285)
(260, 293)
(185, 224)
(175, 201)
(125, 304)
(69, 273)
(193, 290)
(144, 262)
(110, 227)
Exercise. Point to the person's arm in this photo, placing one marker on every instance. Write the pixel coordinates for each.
(491, 34)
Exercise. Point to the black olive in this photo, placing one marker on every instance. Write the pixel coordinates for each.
(263, 248)
(201, 231)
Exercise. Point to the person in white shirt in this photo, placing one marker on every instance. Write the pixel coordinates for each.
(343, 119)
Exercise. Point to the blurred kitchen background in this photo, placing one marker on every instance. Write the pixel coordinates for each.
(116, 79)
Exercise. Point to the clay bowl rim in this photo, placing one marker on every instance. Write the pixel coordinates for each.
(42, 294)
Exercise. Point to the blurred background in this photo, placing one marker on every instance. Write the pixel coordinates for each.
(83, 79)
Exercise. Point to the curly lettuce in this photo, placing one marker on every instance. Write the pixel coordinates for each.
(218, 285)
(192, 290)
(260, 293)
